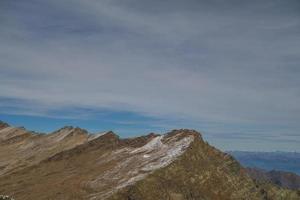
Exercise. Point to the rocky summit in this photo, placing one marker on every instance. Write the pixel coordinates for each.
(72, 164)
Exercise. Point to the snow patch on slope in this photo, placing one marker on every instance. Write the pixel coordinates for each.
(157, 155)
(155, 143)
(134, 164)
(167, 153)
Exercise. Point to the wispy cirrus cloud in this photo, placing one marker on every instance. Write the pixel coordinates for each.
(213, 64)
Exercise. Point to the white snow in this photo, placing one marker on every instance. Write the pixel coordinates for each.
(168, 153)
(155, 143)
(133, 164)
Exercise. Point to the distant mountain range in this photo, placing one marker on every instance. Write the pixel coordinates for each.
(280, 161)
(72, 164)
(280, 168)
(280, 178)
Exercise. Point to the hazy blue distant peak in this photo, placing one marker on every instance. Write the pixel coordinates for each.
(283, 161)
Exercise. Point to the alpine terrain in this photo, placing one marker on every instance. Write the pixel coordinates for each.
(72, 164)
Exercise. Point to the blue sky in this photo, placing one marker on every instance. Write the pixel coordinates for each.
(229, 69)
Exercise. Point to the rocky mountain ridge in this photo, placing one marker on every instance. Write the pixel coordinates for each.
(73, 164)
(28, 148)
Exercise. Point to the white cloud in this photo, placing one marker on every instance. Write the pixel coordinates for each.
(227, 63)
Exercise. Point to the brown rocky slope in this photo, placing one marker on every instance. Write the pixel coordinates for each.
(176, 166)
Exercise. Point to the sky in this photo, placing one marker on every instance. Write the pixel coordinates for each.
(229, 69)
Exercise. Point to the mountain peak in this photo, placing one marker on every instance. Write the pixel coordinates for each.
(3, 125)
(66, 128)
(183, 133)
(68, 132)
(107, 136)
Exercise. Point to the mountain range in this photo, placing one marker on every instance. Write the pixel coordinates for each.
(73, 164)
(277, 160)
(283, 179)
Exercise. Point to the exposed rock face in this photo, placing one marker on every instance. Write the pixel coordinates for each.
(283, 179)
(72, 164)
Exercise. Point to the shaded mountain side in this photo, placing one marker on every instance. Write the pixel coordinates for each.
(71, 164)
(283, 179)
